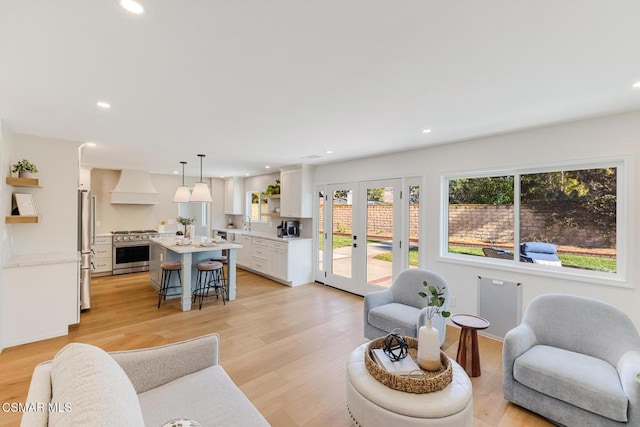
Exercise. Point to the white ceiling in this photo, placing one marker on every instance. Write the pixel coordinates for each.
(257, 82)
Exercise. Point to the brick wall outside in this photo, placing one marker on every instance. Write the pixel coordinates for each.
(494, 224)
(562, 223)
(380, 220)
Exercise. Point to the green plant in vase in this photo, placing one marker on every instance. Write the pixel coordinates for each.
(24, 168)
(186, 222)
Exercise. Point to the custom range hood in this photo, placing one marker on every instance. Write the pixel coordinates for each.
(134, 188)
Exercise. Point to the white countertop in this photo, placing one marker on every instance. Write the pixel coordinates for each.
(42, 259)
(261, 234)
(170, 243)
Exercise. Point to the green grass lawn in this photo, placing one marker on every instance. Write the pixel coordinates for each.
(414, 261)
(338, 242)
(568, 260)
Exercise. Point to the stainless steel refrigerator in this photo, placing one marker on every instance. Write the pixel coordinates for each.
(86, 236)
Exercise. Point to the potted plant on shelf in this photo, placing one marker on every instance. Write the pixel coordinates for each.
(273, 189)
(25, 169)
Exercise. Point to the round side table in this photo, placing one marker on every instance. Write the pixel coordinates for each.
(470, 326)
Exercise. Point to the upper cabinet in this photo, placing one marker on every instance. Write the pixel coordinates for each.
(296, 192)
(233, 196)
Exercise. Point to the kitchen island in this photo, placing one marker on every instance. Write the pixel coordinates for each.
(166, 249)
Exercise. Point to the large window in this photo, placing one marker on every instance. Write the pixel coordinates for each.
(257, 206)
(557, 218)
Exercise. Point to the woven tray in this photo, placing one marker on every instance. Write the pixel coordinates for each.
(431, 381)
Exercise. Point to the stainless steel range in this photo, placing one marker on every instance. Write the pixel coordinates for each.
(131, 250)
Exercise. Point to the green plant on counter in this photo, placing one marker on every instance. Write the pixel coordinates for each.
(273, 189)
(24, 165)
(186, 221)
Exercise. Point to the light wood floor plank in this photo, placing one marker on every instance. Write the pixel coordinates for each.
(286, 348)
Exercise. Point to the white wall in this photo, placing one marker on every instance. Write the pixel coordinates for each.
(135, 217)
(605, 137)
(5, 208)
(56, 202)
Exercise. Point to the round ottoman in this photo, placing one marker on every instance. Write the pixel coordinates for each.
(371, 403)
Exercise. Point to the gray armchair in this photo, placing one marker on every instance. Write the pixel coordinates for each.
(574, 360)
(400, 306)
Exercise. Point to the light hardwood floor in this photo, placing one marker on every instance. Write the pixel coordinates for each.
(286, 348)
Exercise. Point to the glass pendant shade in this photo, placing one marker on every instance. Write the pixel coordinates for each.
(201, 193)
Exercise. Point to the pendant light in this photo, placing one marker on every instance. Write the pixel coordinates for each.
(182, 193)
(201, 191)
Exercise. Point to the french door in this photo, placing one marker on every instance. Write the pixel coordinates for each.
(360, 229)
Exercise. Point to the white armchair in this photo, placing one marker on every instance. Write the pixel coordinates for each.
(400, 306)
(574, 360)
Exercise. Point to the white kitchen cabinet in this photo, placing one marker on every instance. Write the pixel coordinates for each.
(244, 254)
(296, 192)
(266, 259)
(41, 297)
(84, 179)
(234, 196)
(102, 256)
(288, 261)
(282, 260)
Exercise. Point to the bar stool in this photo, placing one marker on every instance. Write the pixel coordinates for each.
(210, 276)
(225, 261)
(168, 267)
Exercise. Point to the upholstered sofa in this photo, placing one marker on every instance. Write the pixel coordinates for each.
(400, 306)
(87, 386)
(574, 360)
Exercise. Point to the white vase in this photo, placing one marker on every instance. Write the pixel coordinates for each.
(429, 347)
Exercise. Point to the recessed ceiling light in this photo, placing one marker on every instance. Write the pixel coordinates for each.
(426, 130)
(636, 85)
(329, 152)
(176, 172)
(247, 174)
(132, 6)
(103, 104)
(267, 167)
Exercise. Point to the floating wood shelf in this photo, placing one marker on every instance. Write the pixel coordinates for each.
(270, 196)
(21, 219)
(271, 214)
(23, 182)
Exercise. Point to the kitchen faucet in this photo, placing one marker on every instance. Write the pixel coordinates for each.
(247, 225)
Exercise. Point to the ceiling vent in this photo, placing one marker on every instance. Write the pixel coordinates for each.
(310, 157)
(134, 188)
